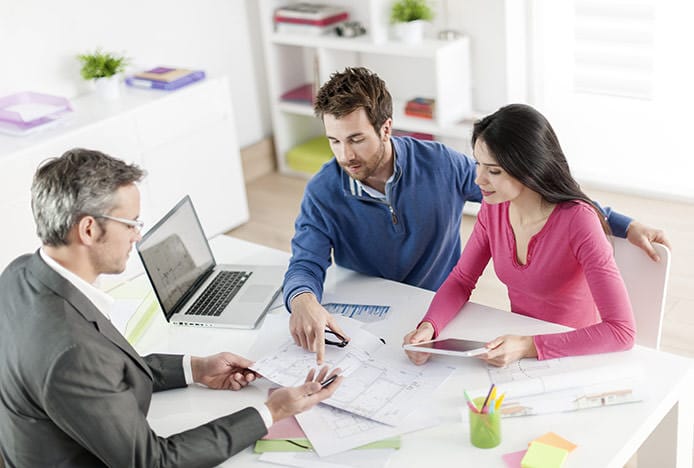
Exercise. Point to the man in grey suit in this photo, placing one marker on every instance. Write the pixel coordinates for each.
(73, 392)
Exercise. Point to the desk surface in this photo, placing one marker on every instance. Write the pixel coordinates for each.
(606, 437)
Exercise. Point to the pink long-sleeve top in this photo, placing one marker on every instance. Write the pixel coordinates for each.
(570, 277)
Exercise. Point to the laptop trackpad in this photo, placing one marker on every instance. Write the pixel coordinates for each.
(256, 293)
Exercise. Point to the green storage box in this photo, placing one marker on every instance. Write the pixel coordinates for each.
(309, 156)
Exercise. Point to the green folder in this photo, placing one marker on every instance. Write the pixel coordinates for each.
(303, 445)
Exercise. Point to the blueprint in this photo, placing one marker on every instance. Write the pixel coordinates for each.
(331, 430)
(380, 383)
(361, 312)
(556, 385)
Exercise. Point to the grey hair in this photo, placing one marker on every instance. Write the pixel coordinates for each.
(80, 182)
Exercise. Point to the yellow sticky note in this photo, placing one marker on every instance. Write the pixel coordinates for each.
(541, 455)
(556, 440)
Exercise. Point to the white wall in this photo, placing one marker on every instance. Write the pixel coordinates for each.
(39, 40)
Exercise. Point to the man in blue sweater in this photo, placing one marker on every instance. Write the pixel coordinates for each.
(383, 206)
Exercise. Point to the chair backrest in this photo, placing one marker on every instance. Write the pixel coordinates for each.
(646, 282)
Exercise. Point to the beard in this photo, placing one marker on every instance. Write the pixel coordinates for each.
(368, 168)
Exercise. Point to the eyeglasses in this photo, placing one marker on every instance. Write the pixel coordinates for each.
(134, 224)
(340, 344)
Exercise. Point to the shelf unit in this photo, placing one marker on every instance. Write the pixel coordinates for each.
(434, 68)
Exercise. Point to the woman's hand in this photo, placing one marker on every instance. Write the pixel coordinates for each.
(509, 348)
(425, 332)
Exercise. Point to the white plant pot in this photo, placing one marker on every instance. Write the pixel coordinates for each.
(108, 87)
(410, 32)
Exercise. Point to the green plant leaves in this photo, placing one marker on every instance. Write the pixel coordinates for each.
(101, 64)
(404, 11)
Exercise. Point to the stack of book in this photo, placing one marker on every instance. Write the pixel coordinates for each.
(420, 107)
(301, 95)
(309, 18)
(165, 78)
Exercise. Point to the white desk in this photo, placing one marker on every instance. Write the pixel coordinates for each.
(606, 437)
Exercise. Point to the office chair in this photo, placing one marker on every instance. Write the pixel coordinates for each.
(646, 283)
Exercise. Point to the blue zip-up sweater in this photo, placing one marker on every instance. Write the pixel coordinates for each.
(413, 238)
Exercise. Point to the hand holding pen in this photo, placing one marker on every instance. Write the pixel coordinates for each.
(317, 387)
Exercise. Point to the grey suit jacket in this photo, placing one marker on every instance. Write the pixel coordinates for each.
(73, 392)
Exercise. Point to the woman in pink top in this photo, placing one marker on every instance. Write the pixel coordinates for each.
(548, 243)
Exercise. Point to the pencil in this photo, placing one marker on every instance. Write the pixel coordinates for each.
(499, 401)
(486, 400)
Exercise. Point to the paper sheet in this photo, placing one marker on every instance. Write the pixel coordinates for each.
(332, 430)
(122, 311)
(375, 458)
(361, 312)
(556, 385)
(379, 381)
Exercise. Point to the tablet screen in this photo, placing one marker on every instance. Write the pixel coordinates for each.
(453, 346)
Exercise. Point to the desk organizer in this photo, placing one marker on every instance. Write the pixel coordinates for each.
(28, 110)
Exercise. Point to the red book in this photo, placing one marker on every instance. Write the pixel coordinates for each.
(329, 21)
(303, 93)
(423, 115)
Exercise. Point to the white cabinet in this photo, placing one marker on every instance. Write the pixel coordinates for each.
(185, 140)
(435, 69)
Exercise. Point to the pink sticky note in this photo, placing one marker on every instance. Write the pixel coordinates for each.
(513, 460)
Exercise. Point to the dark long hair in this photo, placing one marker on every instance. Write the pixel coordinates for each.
(525, 145)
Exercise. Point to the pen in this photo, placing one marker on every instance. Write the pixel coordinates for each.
(492, 400)
(486, 400)
(328, 381)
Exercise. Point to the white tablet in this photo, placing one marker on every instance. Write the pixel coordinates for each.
(451, 346)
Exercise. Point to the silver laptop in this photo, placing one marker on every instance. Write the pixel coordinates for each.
(191, 288)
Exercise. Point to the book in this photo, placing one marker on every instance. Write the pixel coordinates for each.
(164, 74)
(301, 94)
(421, 115)
(421, 104)
(307, 29)
(329, 21)
(309, 11)
(140, 82)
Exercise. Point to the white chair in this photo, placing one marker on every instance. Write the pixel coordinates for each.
(646, 283)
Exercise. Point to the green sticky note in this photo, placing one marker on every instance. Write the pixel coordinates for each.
(541, 455)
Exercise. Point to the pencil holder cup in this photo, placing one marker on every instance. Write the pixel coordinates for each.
(485, 428)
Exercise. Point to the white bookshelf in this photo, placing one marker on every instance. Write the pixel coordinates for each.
(434, 68)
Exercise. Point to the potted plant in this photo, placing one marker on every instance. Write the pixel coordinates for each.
(408, 18)
(104, 69)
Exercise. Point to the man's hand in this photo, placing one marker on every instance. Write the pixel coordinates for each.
(641, 236)
(509, 348)
(308, 322)
(289, 401)
(222, 371)
(425, 332)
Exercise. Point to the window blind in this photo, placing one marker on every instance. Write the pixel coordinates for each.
(614, 47)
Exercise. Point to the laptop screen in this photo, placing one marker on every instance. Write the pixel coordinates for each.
(175, 253)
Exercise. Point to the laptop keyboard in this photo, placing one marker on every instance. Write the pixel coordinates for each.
(219, 293)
